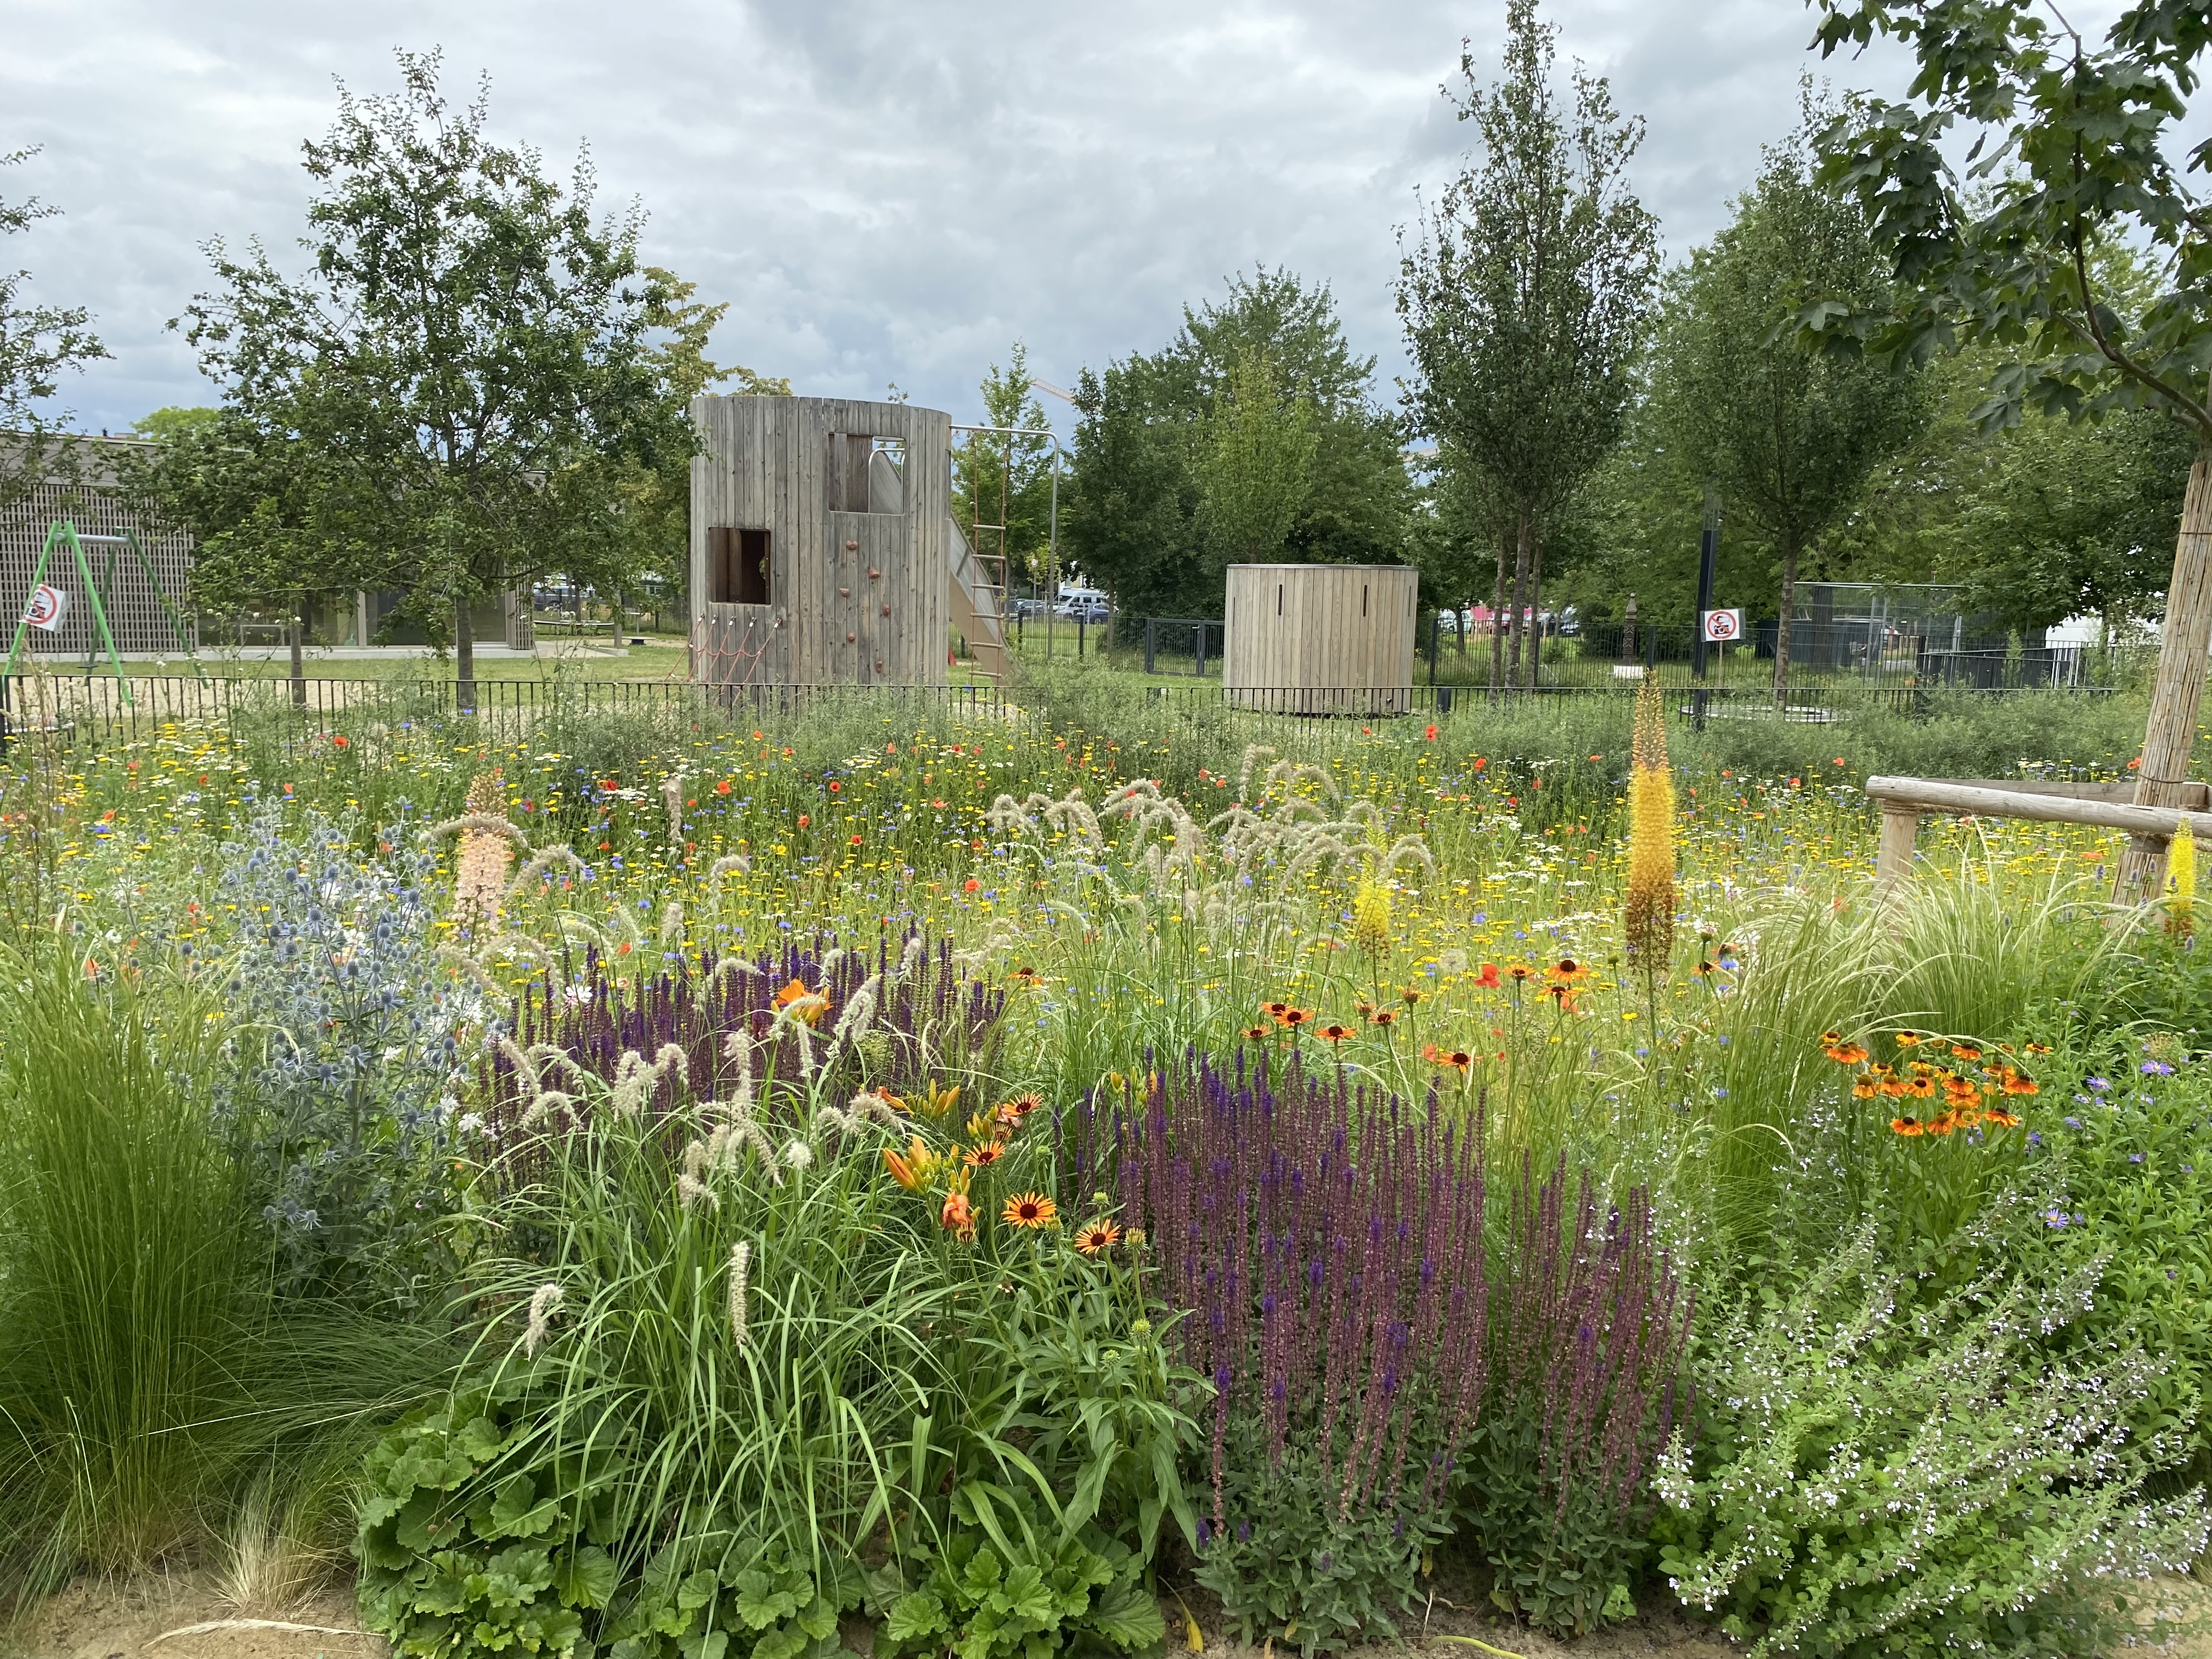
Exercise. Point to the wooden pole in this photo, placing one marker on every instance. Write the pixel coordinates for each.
(2170, 737)
(1900, 830)
(1932, 795)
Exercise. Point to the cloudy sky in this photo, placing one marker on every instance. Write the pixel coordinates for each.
(883, 193)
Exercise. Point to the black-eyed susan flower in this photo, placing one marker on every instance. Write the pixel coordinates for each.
(1097, 1238)
(1030, 1210)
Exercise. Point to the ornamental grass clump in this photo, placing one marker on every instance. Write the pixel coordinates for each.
(789, 1023)
(1648, 903)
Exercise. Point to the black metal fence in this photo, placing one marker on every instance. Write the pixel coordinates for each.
(389, 717)
(1186, 645)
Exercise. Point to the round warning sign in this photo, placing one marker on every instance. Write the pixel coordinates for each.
(48, 605)
(1721, 626)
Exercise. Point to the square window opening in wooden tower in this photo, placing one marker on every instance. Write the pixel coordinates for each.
(739, 570)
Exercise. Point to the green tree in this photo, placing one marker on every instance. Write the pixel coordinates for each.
(1523, 296)
(2049, 518)
(1133, 513)
(39, 345)
(1255, 462)
(454, 401)
(1790, 436)
(2069, 145)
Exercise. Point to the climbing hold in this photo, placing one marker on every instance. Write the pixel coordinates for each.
(848, 639)
(844, 592)
(887, 611)
(874, 573)
(851, 547)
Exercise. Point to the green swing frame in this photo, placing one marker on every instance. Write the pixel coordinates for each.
(64, 532)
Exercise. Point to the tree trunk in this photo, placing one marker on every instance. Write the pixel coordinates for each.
(1497, 622)
(1782, 630)
(1519, 622)
(464, 660)
(299, 667)
(2171, 734)
(1462, 622)
(1535, 613)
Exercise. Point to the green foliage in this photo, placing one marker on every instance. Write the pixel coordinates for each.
(1003, 478)
(1523, 297)
(1563, 1561)
(2121, 1173)
(1788, 436)
(1292, 1567)
(461, 396)
(463, 1553)
(1893, 1469)
(1130, 514)
(151, 1381)
(132, 1273)
(2071, 139)
(996, 1593)
(1254, 467)
(39, 344)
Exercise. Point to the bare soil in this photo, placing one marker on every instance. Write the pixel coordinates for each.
(143, 1617)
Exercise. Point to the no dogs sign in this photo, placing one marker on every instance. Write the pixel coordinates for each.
(48, 605)
(1721, 626)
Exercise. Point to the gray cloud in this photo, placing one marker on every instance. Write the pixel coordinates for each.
(882, 192)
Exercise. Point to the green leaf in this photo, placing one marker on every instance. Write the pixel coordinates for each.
(760, 1600)
(1024, 1594)
(1128, 1618)
(586, 1578)
(915, 1616)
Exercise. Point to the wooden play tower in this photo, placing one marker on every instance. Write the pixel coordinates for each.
(824, 550)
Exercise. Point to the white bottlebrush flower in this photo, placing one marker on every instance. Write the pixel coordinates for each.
(691, 1192)
(544, 1303)
(799, 1155)
(741, 1254)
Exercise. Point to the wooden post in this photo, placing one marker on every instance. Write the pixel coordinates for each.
(1900, 831)
(2171, 734)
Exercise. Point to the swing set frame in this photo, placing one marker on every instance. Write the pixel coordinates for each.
(63, 533)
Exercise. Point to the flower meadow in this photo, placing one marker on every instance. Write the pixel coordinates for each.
(996, 1179)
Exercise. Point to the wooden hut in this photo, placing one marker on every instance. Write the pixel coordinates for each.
(1320, 639)
(822, 543)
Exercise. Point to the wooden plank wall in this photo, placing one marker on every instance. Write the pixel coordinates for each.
(771, 464)
(1299, 633)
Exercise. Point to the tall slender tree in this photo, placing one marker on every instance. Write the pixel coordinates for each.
(1255, 467)
(464, 385)
(1523, 295)
(1789, 436)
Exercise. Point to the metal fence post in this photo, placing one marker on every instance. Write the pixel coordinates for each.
(1151, 641)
